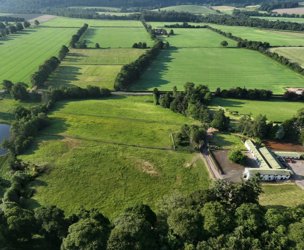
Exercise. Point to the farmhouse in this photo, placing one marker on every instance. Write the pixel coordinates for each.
(269, 168)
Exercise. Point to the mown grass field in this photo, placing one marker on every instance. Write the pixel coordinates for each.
(96, 67)
(116, 37)
(78, 22)
(275, 38)
(110, 154)
(197, 38)
(282, 195)
(194, 9)
(295, 54)
(274, 110)
(217, 67)
(22, 54)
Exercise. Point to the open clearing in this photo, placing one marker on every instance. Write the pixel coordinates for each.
(197, 38)
(116, 37)
(275, 38)
(298, 11)
(96, 67)
(274, 110)
(217, 67)
(194, 9)
(108, 154)
(295, 54)
(21, 54)
(282, 195)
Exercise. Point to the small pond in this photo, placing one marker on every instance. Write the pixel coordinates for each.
(4, 134)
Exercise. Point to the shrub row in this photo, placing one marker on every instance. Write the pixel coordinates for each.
(45, 70)
(243, 93)
(132, 71)
(77, 36)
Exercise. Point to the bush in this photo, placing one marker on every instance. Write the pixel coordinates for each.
(237, 156)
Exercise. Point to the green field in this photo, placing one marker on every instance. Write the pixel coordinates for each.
(112, 154)
(77, 22)
(274, 110)
(282, 195)
(194, 9)
(116, 37)
(284, 19)
(22, 54)
(217, 67)
(275, 38)
(97, 67)
(197, 38)
(295, 54)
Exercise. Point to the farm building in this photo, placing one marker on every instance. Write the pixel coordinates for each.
(269, 168)
(288, 155)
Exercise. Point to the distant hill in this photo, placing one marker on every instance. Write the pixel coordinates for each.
(37, 4)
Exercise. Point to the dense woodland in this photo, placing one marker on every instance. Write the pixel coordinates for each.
(226, 216)
(30, 4)
(269, 6)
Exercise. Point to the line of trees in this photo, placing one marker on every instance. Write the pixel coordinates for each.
(7, 28)
(25, 127)
(132, 71)
(243, 93)
(77, 36)
(39, 78)
(10, 19)
(185, 25)
(63, 52)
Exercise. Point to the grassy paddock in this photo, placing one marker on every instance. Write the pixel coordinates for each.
(227, 141)
(295, 54)
(217, 67)
(275, 38)
(274, 110)
(97, 67)
(197, 38)
(282, 195)
(90, 166)
(116, 37)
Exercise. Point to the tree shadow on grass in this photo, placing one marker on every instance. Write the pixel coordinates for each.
(65, 75)
(157, 69)
(228, 103)
(75, 57)
(16, 35)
